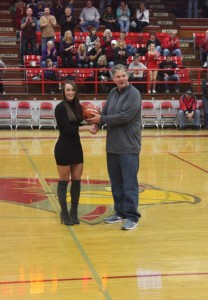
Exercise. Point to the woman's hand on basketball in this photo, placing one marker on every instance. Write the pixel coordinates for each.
(93, 129)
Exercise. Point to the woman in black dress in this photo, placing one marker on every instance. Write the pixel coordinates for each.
(68, 151)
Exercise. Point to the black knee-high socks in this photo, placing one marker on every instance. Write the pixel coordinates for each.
(62, 192)
(75, 195)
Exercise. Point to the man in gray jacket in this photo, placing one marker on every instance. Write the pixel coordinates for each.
(122, 114)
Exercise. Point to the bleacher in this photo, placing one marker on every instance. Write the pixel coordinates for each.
(161, 21)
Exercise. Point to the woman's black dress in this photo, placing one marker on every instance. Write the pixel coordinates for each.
(68, 149)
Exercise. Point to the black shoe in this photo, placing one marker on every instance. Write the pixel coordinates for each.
(182, 128)
(197, 127)
(74, 217)
(66, 219)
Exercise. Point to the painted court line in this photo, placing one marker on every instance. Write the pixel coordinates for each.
(106, 277)
(104, 136)
(191, 164)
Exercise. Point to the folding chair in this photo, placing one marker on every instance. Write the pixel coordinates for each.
(46, 115)
(24, 116)
(149, 114)
(168, 115)
(5, 114)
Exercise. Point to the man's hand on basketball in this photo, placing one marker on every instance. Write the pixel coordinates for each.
(94, 120)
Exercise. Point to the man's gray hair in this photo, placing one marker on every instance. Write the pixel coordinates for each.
(119, 68)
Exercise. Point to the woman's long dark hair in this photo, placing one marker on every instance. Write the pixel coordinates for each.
(74, 109)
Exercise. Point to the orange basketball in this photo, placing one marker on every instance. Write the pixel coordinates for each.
(89, 110)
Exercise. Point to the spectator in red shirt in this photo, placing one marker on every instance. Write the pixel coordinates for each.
(188, 111)
(204, 50)
(171, 45)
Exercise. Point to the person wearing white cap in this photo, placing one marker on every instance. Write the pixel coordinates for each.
(109, 51)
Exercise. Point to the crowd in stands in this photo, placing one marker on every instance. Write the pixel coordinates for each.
(114, 45)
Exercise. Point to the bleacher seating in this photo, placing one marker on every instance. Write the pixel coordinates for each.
(138, 40)
(32, 61)
(198, 38)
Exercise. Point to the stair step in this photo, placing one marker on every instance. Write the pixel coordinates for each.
(5, 43)
(159, 14)
(6, 29)
(12, 51)
(190, 22)
(10, 55)
(13, 75)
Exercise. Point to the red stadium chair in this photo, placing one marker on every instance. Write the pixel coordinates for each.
(46, 115)
(24, 115)
(5, 114)
(149, 114)
(168, 115)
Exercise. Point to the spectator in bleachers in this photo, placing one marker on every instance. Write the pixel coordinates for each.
(205, 99)
(70, 4)
(109, 19)
(107, 38)
(169, 68)
(152, 58)
(141, 18)
(49, 52)
(123, 16)
(32, 4)
(89, 16)
(47, 25)
(94, 54)
(103, 74)
(136, 72)
(106, 43)
(153, 40)
(130, 49)
(19, 14)
(58, 9)
(2, 66)
(67, 22)
(204, 50)
(82, 60)
(204, 7)
(28, 27)
(109, 50)
(67, 50)
(91, 39)
(188, 110)
(49, 3)
(51, 74)
(102, 5)
(38, 13)
(171, 45)
(120, 53)
(192, 8)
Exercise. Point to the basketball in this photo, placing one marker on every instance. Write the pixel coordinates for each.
(89, 110)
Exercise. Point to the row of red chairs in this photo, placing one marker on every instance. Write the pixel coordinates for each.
(136, 38)
(24, 115)
(167, 114)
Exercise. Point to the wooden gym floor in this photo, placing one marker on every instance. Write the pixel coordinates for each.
(165, 258)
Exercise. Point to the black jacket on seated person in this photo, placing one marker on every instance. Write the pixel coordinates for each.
(120, 56)
(168, 66)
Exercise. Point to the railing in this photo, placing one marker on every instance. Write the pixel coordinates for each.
(89, 83)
